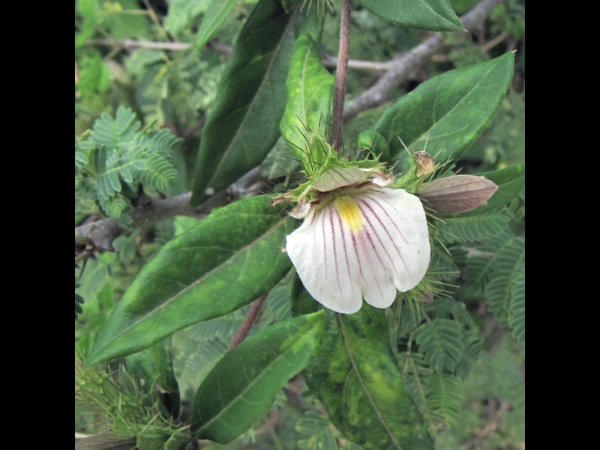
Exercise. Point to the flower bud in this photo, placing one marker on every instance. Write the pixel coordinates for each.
(425, 164)
(456, 194)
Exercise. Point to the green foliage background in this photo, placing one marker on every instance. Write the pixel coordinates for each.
(461, 356)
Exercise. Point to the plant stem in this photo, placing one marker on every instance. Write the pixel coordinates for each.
(340, 77)
(248, 321)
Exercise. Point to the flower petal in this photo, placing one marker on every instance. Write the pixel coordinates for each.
(362, 245)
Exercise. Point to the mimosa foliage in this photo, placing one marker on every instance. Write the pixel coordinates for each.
(117, 159)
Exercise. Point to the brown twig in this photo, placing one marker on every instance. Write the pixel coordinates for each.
(491, 44)
(248, 321)
(103, 232)
(494, 417)
(132, 44)
(269, 424)
(401, 69)
(340, 77)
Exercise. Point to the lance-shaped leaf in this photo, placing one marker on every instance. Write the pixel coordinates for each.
(510, 182)
(356, 377)
(243, 125)
(448, 111)
(244, 384)
(456, 194)
(434, 15)
(310, 89)
(226, 261)
(216, 13)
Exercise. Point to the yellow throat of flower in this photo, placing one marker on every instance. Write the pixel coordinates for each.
(349, 212)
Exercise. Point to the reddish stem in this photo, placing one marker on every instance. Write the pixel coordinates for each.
(340, 77)
(248, 321)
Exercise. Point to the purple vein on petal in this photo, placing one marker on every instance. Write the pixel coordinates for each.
(324, 242)
(344, 243)
(387, 232)
(378, 238)
(335, 255)
(375, 200)
(368, 257)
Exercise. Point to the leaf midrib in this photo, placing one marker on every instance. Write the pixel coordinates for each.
(460, 102)
(254, 381)
(232, 143)
(194, 283)
(362, 383)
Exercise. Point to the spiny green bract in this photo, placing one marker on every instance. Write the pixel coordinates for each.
(116, 158)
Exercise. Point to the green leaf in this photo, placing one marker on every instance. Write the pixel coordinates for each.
(244, 384)
(228, 260)
(318, 430)
(467, 228)
(510, 182)
(434, 15)
(95, 77)
(459, 104)
(356, 377)
(517, 305)
(472, 345)
(90, 11)
(440, 340)
(169, 388)
(243, 125)
(182, 14)
(216, 13)
(110, 132)
(154, 367)
(442, 399)
(443, 264)
(375, 143)
(280, 161)
(310, 90)
(505, 269)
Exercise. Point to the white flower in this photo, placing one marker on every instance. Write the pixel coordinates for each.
(361, 244)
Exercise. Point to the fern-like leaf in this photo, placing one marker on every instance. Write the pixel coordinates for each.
(448, 308)
(444, 262)
(442, 399)
(193, 362)
(115, 206)
(472, 345)
(317, 427)
(111, 131)
(222, 328)
(499, 291)
(440, 340)
(517, 305)
(414, 371)
(278, 303)
(472, 228)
